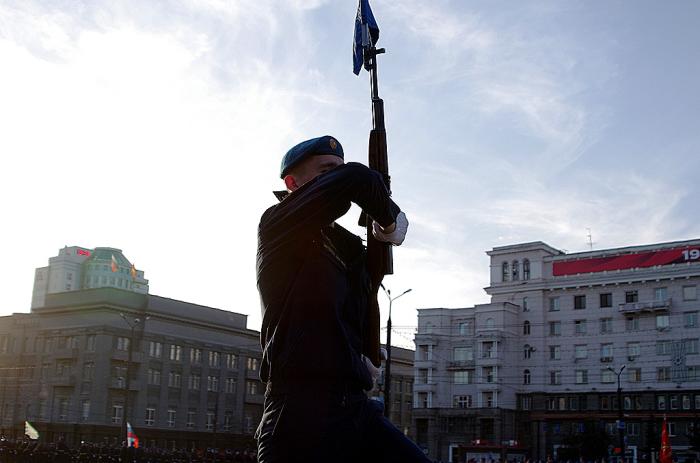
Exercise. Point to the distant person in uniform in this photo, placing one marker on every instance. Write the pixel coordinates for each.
(314, 289)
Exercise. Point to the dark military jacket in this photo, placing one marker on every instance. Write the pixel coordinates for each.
(313, 282)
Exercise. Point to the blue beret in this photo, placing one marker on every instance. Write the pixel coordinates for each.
(313, 147)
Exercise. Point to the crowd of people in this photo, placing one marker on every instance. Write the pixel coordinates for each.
(27, 451)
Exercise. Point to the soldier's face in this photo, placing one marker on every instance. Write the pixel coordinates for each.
(311, 168)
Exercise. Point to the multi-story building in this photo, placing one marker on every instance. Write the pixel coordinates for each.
(77, 268)
(535, 372)
(86, 361)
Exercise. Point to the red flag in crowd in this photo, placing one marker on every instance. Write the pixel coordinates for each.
(665, 453)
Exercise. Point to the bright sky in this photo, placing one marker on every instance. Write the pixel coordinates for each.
(158, 127)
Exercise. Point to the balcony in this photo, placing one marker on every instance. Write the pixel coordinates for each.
(64, 381)
(123, 356)
(647, 306)
(460, 364)
(66, 353)
(120, 383)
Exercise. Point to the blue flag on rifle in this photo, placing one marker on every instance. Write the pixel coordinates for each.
(366, 34)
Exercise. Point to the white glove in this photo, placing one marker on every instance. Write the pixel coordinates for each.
(397, 236)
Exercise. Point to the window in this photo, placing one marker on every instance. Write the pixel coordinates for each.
(555, 328)
(635, 375)
(671, 429)
(686, 402)
(214, 359)
(462, 401)
(516, 270)
(526, 269)
(155, 349)
(194, 382)
(580, 351)
(526, 327)
(153, 377)
(527, 351)
(174, 379)
(462, 354)
(661, 402)
(85, 410)
(579, 302)
(122, 343)
(195, 355)
(489, 323)
(172, 414)
(581, 376)
(488, 350)
(464, 377)
(690, 346)
(633, 350)
(605, 325)
(117, 413)
(175, 353)
(663, 374)
(580, 327)
(607, 376)
(606, 352)
(662, 322)
(525, 307)
(88, 371)
(488, 374)
(526, 403)
(631, 323)
(690, 319)
(673, 402)
(231, 385)
(90, 343)
(252, 364)
(487, 399)
(554, 304)
(150, 416)
(555, 377)
(212, 384)
(252, 387)
(231, 361)
(660, 294)
(211, 419)
(504, 272)
(631, 296)
(690, 293)
(191, 418)
(228, 421)
(633, 429)
(605, 300)
(554, 352)
(466, 328)
(663, 347)
(526, 377)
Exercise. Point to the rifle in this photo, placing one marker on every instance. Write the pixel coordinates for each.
(379, 254)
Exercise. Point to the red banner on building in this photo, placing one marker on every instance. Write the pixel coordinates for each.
(627, 261)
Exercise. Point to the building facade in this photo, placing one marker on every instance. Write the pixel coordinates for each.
(535, 372)
(87, 360)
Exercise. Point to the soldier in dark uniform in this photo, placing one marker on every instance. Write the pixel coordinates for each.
(314, 290)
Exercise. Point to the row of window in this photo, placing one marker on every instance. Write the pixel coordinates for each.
(632, 349)
(150, 416)
(605, 300)
(610, 402)
(214, 358)
(121, 343)
(634, 375)
(194, 382)
(512, 271)
(580, 327)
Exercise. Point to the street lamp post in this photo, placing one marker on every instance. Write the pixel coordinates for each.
(620, 430)
(127, 383)
(387, 374)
